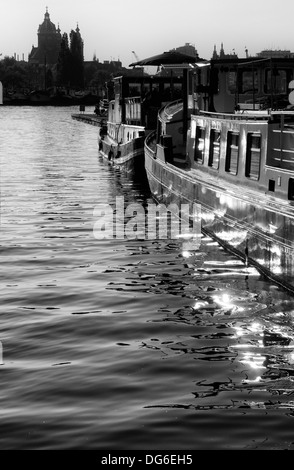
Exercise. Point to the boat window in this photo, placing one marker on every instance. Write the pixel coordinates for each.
(177, 91)
(276, 81)
(167, 92)
(253, 155)
(214, 149)
(271, 185)
(134, 89)
(232, 152)
(248, 82)
(232, 82)
(146, 89)
(199, 144)
(291, 189)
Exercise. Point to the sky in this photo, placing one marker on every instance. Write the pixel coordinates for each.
(112, 29)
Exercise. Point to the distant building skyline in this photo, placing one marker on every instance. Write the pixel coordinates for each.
(50, 36)
(254, 27)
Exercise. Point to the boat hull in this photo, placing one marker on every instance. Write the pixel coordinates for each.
(259, 231)
(130, 158)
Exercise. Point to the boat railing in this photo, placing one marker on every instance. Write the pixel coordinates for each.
(283, 112)
(247, 114)
(238, 115)
(150, 143)
(168, 110)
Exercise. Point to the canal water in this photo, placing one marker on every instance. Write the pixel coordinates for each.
(125, 343)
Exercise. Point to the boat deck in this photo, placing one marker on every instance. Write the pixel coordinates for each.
(259, 199)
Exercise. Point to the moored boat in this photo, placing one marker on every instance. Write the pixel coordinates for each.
(236, 159)
(132, 115)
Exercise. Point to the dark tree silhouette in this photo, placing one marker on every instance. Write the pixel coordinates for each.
(77, 59)
(64, 63)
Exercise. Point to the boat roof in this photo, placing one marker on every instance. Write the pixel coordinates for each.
(253, 60)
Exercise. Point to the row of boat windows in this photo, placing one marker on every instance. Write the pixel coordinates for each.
(273, 81)
(253, 154)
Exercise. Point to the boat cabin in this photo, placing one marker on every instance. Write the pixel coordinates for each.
(244, 84)
(241, 130)
(252, 150)
(136, 100)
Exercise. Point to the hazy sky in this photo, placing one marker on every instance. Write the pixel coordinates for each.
(112, 29)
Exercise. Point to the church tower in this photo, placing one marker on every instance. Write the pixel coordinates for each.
(222, 51)
(49, 39)
(214, 54)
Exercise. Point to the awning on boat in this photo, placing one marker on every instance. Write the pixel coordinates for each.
(168, 58)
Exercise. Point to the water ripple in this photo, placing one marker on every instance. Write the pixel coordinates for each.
(132, 344)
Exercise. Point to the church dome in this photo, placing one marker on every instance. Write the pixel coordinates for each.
(47, 26)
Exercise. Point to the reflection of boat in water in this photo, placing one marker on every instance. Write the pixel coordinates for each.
(132, 114)
(236, 160)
